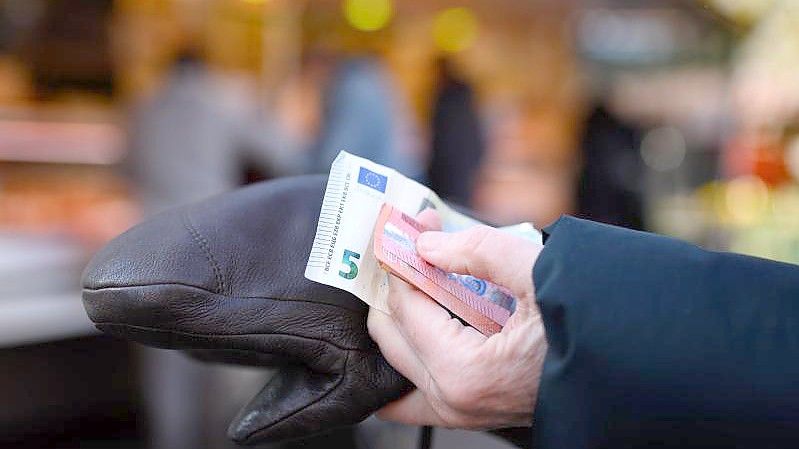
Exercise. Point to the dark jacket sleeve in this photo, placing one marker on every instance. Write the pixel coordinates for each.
(654, 342)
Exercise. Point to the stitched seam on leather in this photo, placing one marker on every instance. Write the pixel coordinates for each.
(322, 397)
(121, 287)
(202, 242)
(252, 334)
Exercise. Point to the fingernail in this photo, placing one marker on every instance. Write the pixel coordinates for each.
(429, 241)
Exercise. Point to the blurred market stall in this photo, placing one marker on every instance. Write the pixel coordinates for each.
(676, 116)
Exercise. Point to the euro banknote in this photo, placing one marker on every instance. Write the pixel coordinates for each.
(342, 253)
(482, 304)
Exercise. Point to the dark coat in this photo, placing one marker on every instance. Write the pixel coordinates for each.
(658, 343)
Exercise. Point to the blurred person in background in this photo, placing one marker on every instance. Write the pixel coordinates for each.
(458, 143)
(188, 143)
(363, 114)
(610, 185)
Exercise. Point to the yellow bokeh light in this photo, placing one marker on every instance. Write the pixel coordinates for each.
(747, 200)
(454, 29)
(368, 15)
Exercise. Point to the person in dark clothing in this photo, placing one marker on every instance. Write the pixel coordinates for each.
(458, 144)
(620, 339)
(609, 189)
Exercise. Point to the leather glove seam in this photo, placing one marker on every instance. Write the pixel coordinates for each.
(249, 334)
(180, 284)
(202, 242)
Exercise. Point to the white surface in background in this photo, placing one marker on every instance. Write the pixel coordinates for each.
(28, 320)
(38, 265)
(21, 251)
(39, 289)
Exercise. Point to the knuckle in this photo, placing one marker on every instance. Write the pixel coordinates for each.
(478, 247)
(476, 235)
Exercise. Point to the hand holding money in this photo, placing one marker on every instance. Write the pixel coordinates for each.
(482, 304)
(464, 379)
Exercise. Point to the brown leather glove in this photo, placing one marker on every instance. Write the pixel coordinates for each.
(224, 278)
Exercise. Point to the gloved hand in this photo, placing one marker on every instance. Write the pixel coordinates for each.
(224, 277)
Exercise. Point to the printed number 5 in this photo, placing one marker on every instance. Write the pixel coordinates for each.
(353, 269)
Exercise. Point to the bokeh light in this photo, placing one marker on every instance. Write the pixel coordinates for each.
(743, 10)
(368, 15)
(747, 200)
(454, 29)
(663, 149)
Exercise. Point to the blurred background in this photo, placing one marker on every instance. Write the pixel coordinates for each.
(675, 116)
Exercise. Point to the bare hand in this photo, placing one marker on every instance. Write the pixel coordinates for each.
(463, 378)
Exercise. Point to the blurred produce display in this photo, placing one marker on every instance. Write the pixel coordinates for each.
(78, 202)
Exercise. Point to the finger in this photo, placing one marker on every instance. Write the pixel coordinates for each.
(483, 252)
(413, 409)
(430, 219)
(395, 348)
(427, 326)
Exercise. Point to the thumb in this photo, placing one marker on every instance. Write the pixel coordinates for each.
(280, 410)
(483, 252)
